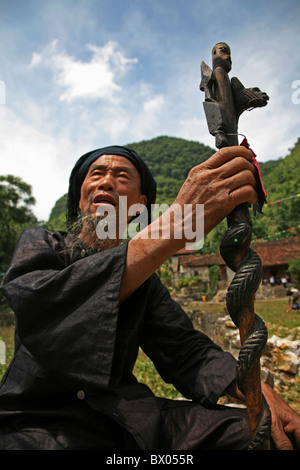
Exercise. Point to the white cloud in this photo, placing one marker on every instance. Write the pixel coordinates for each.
(36, 59)
(96, 78)
(36, 157)
(124, 123)
(154, 105)
(41, 152)
(195, 129)
(33, 148)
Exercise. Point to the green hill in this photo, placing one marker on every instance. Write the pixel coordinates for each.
(170, 159)
(281, 214)
(283, 184)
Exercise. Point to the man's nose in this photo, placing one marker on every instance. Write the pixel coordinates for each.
(107, 182)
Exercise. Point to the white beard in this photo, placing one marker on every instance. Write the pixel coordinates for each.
(85, 228)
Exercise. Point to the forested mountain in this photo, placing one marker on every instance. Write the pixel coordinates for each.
(283, 187)
(170, 160)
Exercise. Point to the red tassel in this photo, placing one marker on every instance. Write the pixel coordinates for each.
(262, 194)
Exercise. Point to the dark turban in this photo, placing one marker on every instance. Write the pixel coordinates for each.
(79, 172)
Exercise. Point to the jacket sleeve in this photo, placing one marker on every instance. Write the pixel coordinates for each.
(183, 356)
(66, 315)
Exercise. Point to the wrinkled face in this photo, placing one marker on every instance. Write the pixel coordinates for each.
(109, 177)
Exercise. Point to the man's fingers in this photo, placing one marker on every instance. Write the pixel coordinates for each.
(226, 154)
(243, 194)
(234, 167)
(279, 437)
(293, 431)
(283, 443)
(241, 188)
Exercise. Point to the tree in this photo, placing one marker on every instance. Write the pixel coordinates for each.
(294, 268)
(213, 272)
(15, 214)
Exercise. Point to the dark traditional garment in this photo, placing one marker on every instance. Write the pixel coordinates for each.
(70, 384)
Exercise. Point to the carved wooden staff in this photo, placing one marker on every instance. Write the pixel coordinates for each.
(225, 101)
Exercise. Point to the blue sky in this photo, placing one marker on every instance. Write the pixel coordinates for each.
(79, 75)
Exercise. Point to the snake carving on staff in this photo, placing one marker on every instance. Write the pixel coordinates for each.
(225, 101)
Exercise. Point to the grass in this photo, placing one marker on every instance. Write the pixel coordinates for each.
(145, 372)
(273, 313)
(7, 342)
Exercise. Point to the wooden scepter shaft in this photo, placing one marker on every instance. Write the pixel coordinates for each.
(253, 394)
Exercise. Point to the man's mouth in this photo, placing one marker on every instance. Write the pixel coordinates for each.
(104, 198)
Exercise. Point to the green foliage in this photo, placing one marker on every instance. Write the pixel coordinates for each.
(267, 167)
(294, 268)
(281, 180)
(292, 393)
(15, 214)
(59, 223)
(57, 219)
(165, 271)
(189, 281)
(59, 208)
(146, 373)
(7, 342)
(213, 273)
(214, 238)
(170, 159)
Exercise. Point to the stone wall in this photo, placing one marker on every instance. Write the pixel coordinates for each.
(280, 361)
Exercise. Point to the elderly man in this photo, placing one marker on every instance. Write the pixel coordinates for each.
(85, 305)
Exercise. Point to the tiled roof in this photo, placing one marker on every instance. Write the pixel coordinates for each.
(271, 253)
(278, 252)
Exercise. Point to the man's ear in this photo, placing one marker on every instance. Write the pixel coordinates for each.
(80, 202)
(143, 199)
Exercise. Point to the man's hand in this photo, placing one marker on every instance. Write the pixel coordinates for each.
(285, 430)
(285, 427)
(221, 183)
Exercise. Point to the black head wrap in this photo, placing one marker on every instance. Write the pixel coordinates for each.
(79, 172)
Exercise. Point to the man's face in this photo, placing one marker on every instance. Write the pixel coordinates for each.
(109, 177)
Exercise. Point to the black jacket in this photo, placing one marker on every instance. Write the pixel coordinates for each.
(71, 377)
